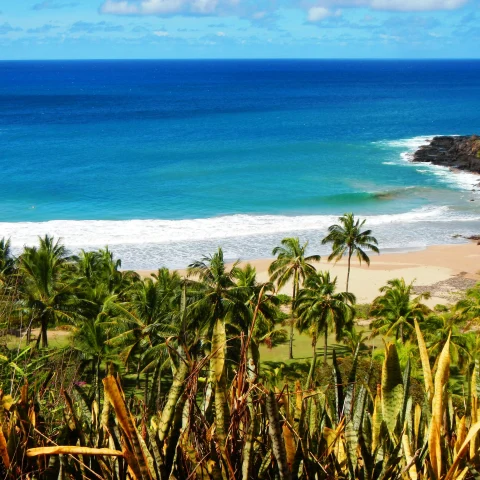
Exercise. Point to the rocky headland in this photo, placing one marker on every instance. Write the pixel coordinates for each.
(462, 153)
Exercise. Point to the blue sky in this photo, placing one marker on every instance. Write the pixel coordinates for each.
(76, 29)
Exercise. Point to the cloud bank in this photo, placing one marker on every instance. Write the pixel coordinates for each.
(316, 11)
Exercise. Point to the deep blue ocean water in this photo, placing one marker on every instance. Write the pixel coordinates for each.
(166, 160)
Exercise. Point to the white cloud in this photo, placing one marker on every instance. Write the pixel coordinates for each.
(204, 6)
(163, 7)
(396, 5)
(317, 14)
(220, 34)
(118, 8)
(161, 33)
(390, 38)
(321, 10)
(416, 5)
(260, 15)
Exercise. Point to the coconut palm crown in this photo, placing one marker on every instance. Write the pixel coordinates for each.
(347, 238)
(291, 264)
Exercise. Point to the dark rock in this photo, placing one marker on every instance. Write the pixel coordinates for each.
(462, 153)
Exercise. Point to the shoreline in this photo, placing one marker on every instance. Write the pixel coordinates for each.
(445, 269)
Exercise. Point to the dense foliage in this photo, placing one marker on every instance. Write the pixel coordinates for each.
(161, 378)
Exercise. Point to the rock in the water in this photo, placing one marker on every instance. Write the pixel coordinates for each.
(461, 152)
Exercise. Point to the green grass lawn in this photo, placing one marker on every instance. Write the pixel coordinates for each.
(56, 339)
(302, 348)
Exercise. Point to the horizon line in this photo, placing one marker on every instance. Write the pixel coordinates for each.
(240, 59)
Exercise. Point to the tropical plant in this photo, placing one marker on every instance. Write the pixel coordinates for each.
(7, 261)
(320, 309)
(259, 298)
(291, 264)
(146, 322)
(347, 238)
(344, 429)
(46, 293)
(437, 329)
(215, 417)
(218, 302)
(468, 308)
(395, 310)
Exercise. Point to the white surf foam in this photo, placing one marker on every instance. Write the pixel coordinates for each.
(102, 232)
(175, 243)
(456, 179)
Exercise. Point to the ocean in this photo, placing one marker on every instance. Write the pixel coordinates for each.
(164, 161)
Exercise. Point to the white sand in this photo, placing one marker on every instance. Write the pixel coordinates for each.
(426, 267)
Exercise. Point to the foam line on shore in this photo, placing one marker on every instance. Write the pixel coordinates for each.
(457, 179)
(112, 232)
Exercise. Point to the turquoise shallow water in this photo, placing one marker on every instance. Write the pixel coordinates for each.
(165, 161)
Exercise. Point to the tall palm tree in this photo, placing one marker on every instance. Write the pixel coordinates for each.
(7, 261)
(216, 288)
(149, 317)
(395, 310)
(100, 267)
(347, 238)
(291, 264)
(260, 297)
(90, 337)
(468, 308)
(46, 290)
(218, 301)
(320, 308)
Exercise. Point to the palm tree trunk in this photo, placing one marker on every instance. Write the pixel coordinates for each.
(348, 267)
(97, 374)
(153, 396)
(159, 389)
(137, 382)
(314, 361)
(146, 396)
(44, 333)
(292, 320)
(325, 344)
(29, 332)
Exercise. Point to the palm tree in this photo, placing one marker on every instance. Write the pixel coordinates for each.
(148, 319)
(90, 338)
(348, 239)
(320, 308)
(469, 307)
(100, 267)
(260, 297)
(395, 310)
(46, 291)
(438, 327)
(7, 262)
(291, 264)
(218, 301)
(215, 288)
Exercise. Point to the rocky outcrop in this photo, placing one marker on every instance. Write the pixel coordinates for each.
(462, 153)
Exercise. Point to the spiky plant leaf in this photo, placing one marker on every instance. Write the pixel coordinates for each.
(425, 359)
(275, 432)
(434, 440)
(392, 387)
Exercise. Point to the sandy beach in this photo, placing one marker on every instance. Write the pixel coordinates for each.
(442, 270)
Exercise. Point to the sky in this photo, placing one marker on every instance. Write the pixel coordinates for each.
(116, 29)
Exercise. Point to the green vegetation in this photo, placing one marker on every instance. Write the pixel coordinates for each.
(176, 377)
(348, 239)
